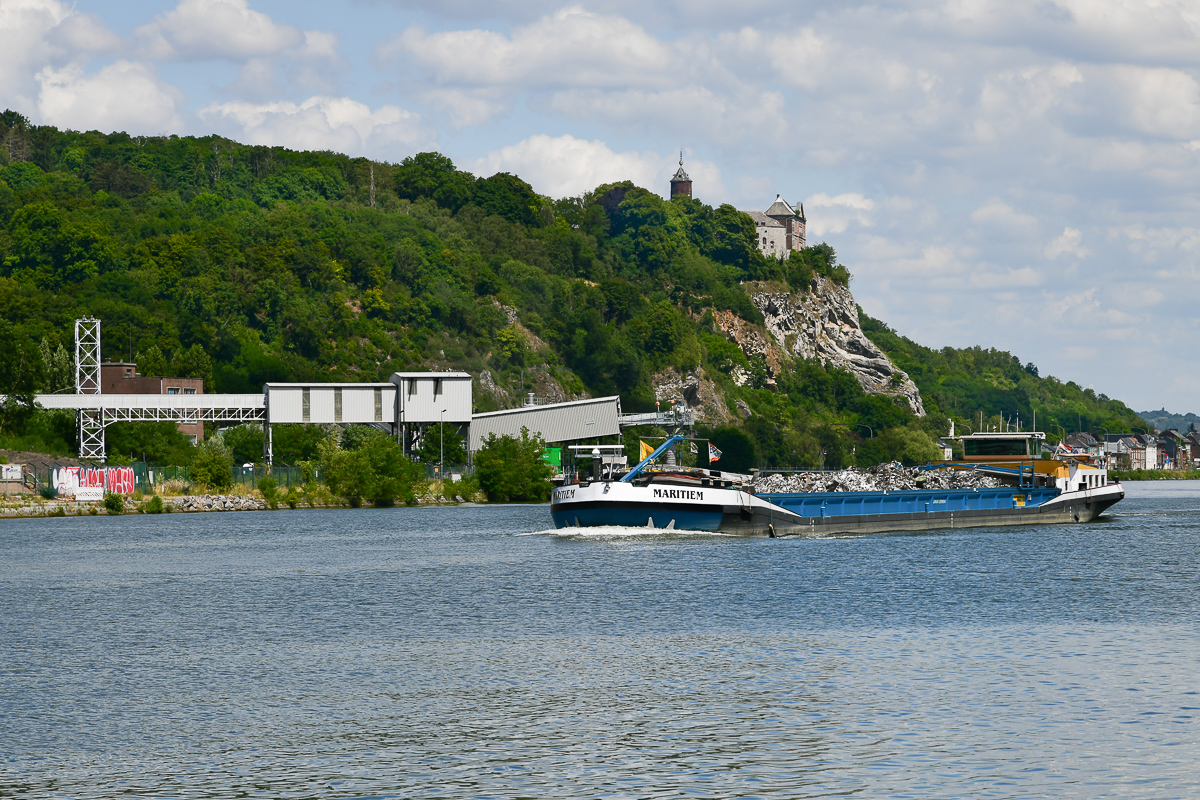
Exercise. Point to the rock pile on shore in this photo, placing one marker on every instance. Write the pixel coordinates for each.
(215, 502)
(883, 477)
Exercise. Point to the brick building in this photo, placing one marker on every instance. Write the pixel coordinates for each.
(120, 377)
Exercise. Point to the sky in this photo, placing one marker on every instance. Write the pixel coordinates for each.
(1020, 174)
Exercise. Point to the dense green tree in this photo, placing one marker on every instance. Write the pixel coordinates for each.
(21, 375)
(508, 196)
(434, 176)
(909, 445)
(512, 469)
(58, 367)
(737, 450)
(152, 363)
(153, 442)
(245, 443)
(212, 464)
(442, 444)
(374, 469)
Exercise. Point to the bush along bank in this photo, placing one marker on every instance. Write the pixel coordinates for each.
(1154, 474)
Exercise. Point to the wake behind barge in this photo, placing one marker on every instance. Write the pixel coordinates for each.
(1037, 492)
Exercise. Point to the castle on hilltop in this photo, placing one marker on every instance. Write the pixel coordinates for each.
(780, 229)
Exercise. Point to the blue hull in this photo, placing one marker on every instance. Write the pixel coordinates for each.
(917, 501)
(638, 518)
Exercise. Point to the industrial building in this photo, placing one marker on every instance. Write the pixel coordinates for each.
(406, 406)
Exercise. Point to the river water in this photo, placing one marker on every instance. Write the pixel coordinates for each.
(468, 652)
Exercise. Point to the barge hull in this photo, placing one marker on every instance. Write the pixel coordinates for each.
(1072, 511)
(741, 514)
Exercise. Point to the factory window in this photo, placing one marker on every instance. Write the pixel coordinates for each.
(437, 387)
(172, 390)
(337, 405)
(305, 405)
(412, 388)
(189, 391)
(379, 405)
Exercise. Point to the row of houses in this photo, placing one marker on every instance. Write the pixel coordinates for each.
(1167, 449)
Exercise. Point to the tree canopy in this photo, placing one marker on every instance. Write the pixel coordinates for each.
(245, 264)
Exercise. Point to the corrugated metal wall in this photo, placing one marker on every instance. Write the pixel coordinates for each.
(560, 422)
(360, 403)
(419, 403)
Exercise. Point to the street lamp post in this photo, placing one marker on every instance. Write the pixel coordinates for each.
(442, 447)
(868, 427)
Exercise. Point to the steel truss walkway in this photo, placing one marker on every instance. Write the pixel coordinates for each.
(162, 407)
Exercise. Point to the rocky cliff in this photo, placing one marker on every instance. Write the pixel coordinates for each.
(821, 324)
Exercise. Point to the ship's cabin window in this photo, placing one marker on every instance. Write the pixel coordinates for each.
(996, 447)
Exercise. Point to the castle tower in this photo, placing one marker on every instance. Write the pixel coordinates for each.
(681, 184)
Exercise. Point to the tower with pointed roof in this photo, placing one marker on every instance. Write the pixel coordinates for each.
(681, 184)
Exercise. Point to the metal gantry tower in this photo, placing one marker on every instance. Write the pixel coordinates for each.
(87, 381)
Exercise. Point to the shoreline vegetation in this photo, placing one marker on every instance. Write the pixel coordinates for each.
(263, 499)
(1154, 474)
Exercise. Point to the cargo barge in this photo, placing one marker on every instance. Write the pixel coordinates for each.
(1035, 491)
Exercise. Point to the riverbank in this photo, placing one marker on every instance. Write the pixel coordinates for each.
(33, 506)
(1154, 474)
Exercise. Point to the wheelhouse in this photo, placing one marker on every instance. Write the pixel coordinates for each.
(999, 447)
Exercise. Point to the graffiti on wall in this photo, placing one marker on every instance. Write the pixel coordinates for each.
(118, 480)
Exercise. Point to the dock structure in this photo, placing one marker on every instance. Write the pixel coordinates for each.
(407, 406)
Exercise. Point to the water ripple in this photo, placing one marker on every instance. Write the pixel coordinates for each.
(441, 653)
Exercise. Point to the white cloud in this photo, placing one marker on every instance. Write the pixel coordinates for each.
(572, 47)
(324, 123)
(35, 34)
(204, 29)
(467, 107)
(1158, 102)
(834, 214)
(564, 166)
(1000, 215)
(122, 96)
(1069, 243)
(1006, 279)
(272, 56)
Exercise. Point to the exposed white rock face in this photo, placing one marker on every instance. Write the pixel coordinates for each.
(694, 389)
(823, 325)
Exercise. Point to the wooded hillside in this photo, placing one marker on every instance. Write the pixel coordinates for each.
(244, 264)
